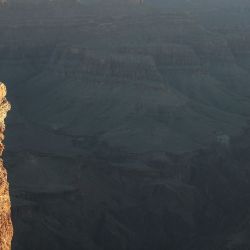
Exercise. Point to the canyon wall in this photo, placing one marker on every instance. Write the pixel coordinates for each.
(6, 229)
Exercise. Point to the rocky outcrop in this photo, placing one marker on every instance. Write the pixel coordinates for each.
(6, 230)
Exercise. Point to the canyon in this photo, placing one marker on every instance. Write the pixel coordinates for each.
(130, 124)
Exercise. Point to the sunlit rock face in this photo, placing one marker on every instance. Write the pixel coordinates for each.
(6, 230)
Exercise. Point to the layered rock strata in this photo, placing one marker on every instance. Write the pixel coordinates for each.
(6, 229)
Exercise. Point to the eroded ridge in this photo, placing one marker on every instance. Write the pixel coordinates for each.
(6, 229)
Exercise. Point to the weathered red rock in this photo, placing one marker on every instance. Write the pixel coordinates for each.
(6, 229)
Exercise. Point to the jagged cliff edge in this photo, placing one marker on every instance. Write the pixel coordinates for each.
(6, 229)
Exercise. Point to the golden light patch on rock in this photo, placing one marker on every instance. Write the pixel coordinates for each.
(6, 228)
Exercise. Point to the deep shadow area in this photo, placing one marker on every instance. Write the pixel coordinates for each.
(130, 124)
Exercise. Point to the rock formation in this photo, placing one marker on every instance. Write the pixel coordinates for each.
(6, 230)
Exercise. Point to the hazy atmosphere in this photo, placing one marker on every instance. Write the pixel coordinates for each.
(129, 127)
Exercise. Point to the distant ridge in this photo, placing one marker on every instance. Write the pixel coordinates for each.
(3, 2)
(136, 1)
